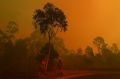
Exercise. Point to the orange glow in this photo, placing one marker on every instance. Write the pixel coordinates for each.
(87, 19)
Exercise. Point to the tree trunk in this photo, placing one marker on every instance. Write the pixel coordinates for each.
(48, 56)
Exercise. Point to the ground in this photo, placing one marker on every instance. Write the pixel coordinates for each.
(70, 75)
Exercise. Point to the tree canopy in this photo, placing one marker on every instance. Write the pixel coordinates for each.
(50, 20)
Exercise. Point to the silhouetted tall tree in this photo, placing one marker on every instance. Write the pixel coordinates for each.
(79, 51)
(114, 48)
(11, 29)
(50, 20)
(100, 43)
(89, 51)
(7, 34)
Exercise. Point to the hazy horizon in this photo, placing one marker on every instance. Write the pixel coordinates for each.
(86, 19)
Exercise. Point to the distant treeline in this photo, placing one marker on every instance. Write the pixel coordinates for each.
(106, 57)
(20, 55)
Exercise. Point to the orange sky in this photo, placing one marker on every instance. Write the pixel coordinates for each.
(87, 19)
